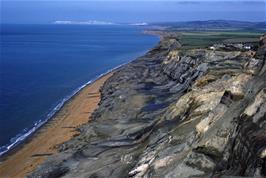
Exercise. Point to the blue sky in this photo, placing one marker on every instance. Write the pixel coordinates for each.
(128, 11)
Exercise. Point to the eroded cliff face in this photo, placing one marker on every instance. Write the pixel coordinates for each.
(174, 113)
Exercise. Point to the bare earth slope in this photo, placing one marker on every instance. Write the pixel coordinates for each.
(174, 113)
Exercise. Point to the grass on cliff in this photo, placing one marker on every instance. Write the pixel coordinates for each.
(204, 39)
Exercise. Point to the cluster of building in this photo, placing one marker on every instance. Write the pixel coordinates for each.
(233, 46)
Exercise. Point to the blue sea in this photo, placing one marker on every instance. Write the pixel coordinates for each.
(42, 66)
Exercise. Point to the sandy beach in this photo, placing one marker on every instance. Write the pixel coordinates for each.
(58, 130)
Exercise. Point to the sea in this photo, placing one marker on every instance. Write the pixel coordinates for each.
(42, 66)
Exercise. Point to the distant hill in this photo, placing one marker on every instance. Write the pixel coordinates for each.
(214, 25)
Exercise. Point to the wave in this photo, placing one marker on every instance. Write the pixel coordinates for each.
(18, 139)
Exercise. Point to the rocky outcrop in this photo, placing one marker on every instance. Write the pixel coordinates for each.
(174, 113)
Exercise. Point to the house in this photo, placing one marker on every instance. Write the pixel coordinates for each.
(212, 47)
(247, 46)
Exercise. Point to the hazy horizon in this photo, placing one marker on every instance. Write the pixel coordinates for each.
(46, 12)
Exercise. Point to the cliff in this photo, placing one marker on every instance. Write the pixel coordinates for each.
(174, 113)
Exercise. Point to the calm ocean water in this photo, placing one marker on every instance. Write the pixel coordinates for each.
(41, 66)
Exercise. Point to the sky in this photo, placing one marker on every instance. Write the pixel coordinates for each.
(129, 11)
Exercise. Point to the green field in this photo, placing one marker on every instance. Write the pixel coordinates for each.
(205, 39)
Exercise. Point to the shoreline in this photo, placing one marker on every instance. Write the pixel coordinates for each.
(23, 133)
(41, 123)
(27, 155)
(10, 155)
